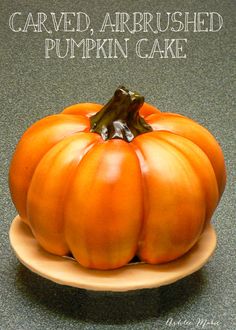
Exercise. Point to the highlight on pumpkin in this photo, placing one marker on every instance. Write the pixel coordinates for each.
(110, 183)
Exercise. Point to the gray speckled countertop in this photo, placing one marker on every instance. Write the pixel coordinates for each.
(202, 86)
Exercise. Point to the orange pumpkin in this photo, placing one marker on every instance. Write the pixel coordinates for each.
(106, 183)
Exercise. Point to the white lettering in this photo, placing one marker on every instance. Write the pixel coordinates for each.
(11, 22)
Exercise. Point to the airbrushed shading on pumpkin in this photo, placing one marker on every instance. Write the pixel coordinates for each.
(106, 183)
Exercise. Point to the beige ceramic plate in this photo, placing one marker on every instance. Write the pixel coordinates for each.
(67, 271)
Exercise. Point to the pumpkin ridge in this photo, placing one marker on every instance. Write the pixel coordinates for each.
(82, 109)
(85, 152)
(182, 163)
(144, 192)
(113, 243)
(50, 130)
(198, 152)
(52, 157)
(190, 129)
(191, 141)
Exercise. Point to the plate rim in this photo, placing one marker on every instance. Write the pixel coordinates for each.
(22, 241)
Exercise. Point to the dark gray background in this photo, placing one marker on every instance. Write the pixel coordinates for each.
(201, 87)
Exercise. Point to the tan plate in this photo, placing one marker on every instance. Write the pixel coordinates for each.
(67, 271)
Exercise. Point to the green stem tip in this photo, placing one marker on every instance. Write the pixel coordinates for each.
(119, 118)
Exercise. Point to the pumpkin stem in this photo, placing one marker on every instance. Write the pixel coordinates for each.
(119, 118)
